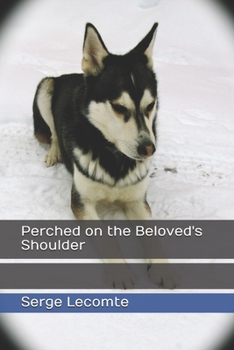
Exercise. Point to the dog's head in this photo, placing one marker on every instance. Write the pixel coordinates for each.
(122, 93)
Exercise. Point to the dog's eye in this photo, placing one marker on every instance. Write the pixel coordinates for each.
(119, 108)
(150, 106)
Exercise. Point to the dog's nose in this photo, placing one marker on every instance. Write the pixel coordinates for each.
(146, 149)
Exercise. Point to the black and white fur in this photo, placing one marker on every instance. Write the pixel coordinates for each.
(102, 125)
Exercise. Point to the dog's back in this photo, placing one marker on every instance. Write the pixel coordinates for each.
(57, 96)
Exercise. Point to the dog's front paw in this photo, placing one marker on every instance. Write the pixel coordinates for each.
(53, 156)
(119, 276)
(163, 275)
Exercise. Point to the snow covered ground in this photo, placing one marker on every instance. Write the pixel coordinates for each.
(192, 174)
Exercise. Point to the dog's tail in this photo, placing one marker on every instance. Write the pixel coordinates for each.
(42, 105)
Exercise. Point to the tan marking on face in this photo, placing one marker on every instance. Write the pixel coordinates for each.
(119, 110)
(123, 107)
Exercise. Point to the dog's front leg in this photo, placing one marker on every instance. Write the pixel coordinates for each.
(159, 270)
(118, 272)
(137, 210)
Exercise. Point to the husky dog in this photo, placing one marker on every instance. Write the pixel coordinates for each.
(102, 125)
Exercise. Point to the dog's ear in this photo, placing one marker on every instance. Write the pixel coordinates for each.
(146, 45)
(94, 51)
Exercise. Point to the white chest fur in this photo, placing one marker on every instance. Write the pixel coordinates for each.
(88, 188)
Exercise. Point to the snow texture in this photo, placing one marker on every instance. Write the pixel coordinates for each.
(192, 172)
